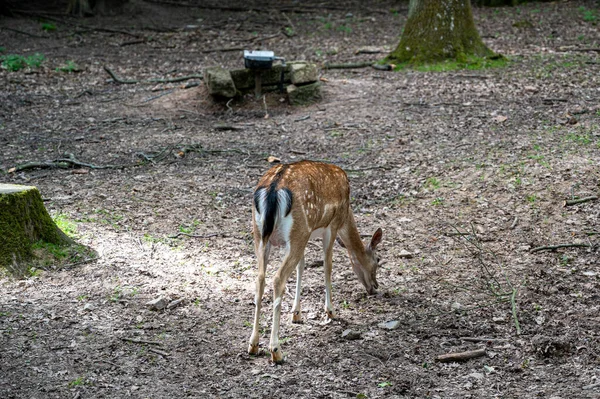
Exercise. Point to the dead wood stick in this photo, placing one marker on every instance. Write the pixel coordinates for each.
(221, 126)
(483, 339)
(159, 352)
(140, 341)
(175, 80)
(580, 200)
(222, 49)
(558, 246)
(117, 79)
(514, 223)
(41, 165)
(350, 65)
(460, 356)
(368, 168)
(24, 33)
(133, 81)
(196, 235)
(513, 306)
(129, 43)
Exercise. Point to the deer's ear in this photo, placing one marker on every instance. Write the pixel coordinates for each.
(339, 241)
(376, 239)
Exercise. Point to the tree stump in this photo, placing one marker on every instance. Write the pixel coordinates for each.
(24, 221)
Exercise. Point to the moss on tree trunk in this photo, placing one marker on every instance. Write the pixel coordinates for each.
(437, 30)
(23, 222)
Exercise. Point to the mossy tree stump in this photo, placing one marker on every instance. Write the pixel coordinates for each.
(24, 221)
(437, 30)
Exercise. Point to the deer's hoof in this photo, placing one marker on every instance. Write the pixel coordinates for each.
(276, 356)
(253, 349)
(297, 318)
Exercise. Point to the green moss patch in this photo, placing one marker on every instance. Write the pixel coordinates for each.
(469, 63)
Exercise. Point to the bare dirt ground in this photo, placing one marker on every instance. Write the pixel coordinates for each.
(466, 170)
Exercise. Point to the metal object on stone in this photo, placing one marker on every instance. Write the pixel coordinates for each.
(259, 60)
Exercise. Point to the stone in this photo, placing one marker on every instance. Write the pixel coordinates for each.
(350, 335)
(157, 304)
(304, 95)
(174, 303)
(219, 82)
(302, 73)
(390, 325)
(405, 254)
(243, 79)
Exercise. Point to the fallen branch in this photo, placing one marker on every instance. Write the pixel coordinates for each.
(580, 200)
(140, 341)
(513, 305)
(460, 356)
(159, 352)
(196, 235)
(351, 65)
(482, 339)
(591, 386)
(24, 33)
(558, 246)
(222, 49)
(175, 80)
(117, 79)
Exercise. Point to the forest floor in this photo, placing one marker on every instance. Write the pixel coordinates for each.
(468, 171)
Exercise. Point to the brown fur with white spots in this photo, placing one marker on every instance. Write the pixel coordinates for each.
(292, 203)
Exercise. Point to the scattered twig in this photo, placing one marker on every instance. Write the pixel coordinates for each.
(580, 200)
(158, 352)
(460, 356)
(175, 80)
(196, 235)
(222, 49)
(167, 80)
(513, 305)
(24, 33)
(382, 67)
(227, 127)
(591, 386)
(298, 152)
(482, 339)
(514, 223)
(558, 246)
(117, 79)
(302, 118)
(141, 341)
(350, 65)
(81, 262)
(553, 100)
(131, 42)
(367, 168)
(166, 92)
(375, 357)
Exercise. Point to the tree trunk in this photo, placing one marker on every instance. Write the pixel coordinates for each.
(24, 221)
(437, 30)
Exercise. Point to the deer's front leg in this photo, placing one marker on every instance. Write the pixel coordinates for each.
(328, 240)
(291, 259)
(262, 253)
(296, 310)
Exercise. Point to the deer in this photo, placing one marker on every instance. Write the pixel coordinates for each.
(292, 204)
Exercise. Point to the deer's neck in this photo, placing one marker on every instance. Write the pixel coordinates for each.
(351, 238)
